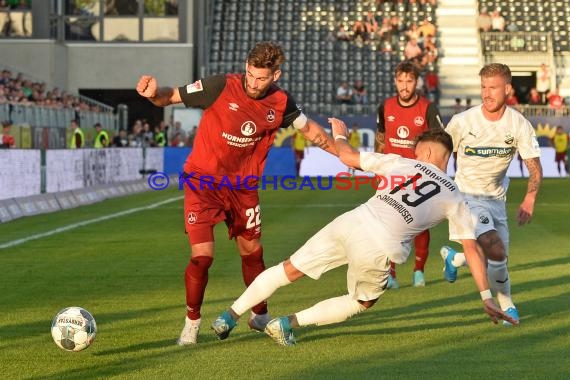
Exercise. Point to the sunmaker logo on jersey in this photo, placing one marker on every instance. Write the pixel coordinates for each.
(482, 151)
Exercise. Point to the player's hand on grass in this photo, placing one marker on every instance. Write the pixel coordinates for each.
(495, 313)
(147, 86)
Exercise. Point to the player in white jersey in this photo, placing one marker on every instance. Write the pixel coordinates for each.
(416, 195)
(486, 138)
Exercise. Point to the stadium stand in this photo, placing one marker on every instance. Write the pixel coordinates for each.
(25, 101)
(317, 61)
(551, 16)
(539, 31)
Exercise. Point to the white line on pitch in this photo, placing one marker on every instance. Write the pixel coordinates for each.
(87, 222)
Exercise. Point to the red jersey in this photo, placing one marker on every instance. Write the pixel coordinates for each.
(402, 124)
(236, 131)
(6, 141)
(555, 101)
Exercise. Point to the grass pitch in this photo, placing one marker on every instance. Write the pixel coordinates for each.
(128, 272)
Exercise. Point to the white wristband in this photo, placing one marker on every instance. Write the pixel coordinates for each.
(343, 137)
(486, 294)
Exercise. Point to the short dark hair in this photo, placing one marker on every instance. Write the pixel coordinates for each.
(437, 135)
(496, 69)
(407, 67)
(266, 55)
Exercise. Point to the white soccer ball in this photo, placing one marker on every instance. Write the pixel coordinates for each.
(73, 329)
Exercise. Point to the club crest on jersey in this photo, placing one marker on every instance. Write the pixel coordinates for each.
(248, 128)
(419, 121)
(192, 218)
(270, 116)
(483, 219)
(509, 139)
(403, 131)
(194, 87)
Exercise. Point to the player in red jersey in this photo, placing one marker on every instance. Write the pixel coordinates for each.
(242, 114)
(400, 119)
(6, 139)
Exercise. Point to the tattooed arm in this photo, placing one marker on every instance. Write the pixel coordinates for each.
(526, 208)
(379, 142)
(380, 138)
(317, 136)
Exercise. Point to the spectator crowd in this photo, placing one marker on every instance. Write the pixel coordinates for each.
(142, 135)
(19, 90)
(411, 40)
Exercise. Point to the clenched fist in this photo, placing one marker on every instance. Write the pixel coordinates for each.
(147, 86)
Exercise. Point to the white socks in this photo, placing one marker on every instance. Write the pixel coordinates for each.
(499, 282)
(459, 260)
(264, 285)
(332, 310)
(498, 276)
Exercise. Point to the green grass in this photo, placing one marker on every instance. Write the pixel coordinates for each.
(128, 272)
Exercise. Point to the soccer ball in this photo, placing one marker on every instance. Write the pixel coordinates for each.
(73, 329)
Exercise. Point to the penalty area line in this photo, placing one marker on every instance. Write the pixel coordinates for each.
(86, 223)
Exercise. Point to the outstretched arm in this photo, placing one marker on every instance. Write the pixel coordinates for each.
(476, 263)
(347, 154)
(161, 97)
(526, 208)
(316, 134)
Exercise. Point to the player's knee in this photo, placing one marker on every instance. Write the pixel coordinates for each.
(498, 255)
(248, 247)
(492, 245)
(367, 304)
(496, 251)
(254, 257)
(198, 267)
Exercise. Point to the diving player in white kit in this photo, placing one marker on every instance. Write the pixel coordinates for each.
(369, 236)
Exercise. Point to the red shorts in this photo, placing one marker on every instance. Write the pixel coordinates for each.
(204, 208)
(560, 157)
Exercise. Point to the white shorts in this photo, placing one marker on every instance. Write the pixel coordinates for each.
(344, 241)
(489, 214)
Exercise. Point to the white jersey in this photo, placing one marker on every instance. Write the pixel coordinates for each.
(486, 148)
(397, 213)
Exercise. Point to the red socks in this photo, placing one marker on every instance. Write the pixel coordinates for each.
(421, 243)
(196, 279)
(251, 266)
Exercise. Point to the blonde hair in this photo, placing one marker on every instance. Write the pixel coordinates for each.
(496, 69)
